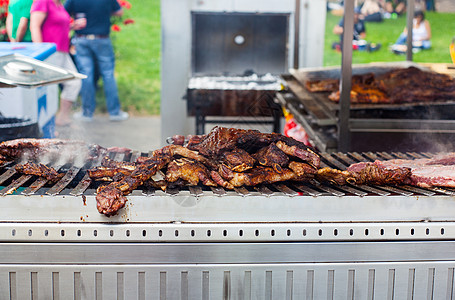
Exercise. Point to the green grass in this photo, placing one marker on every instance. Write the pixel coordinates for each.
(386, 33)
(137, 48)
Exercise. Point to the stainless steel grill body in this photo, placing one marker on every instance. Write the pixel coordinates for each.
(308, 241)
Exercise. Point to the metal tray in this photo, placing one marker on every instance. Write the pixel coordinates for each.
(19, 70)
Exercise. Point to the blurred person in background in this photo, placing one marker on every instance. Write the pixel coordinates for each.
(397, 7)
(421, 33)
(359, 32)
(18, 21)
(50, 23)
(94, 50)
(371, 11)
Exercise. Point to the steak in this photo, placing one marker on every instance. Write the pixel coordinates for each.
(428, 172)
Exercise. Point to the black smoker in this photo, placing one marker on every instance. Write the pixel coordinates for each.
(236, 60)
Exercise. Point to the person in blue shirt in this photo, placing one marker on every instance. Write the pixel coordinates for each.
(93, 46)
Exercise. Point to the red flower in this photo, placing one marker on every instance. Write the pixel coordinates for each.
(3, 31)
(128, 21)
(115, 27)
(124, 3)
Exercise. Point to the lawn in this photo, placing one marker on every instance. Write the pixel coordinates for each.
(138, 54)
(386, 33)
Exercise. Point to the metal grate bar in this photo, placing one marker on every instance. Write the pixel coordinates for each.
(285, 189)
(172, 191)
(374, 190)
(219, 191)
(331, 191)
(401, 155)
(345, 158)
(15, 184)
(333, 161)
(354, 190)
(395, 190)
(442, 191)
(418, 190)
(307, 190)
(372, 156)
(242, 191)
(385, 155)
(7, 175)
(35, 186)
(415, 155)
(149, 191)
(264, 190)
(83, 185)
(62, 183)
(135, 155)
(196, 191)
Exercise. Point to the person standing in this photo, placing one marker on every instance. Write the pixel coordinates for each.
(51, 23)
(94, 46)
(18, 21)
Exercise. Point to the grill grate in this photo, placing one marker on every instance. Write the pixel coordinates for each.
(76, 182)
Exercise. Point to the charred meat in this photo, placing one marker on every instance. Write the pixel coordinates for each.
(40, 170)
(38, 148)
(190, 171)
(401, 85)
(272, 156)
(238, 160)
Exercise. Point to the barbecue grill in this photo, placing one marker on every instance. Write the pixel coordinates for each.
(230, 38)
(283, 241)
(412, 126)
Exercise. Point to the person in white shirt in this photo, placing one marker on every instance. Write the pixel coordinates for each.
(421, 32)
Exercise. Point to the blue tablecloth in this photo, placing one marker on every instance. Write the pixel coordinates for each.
(39, 51)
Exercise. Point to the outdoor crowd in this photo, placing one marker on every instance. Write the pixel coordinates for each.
(80, 29)
(377, 11)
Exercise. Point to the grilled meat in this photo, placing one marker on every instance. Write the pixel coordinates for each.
(223, 157)
(380, 174)
(364, 94)
(221, 139)
(107, 174)
(109, 199)
(260, 175)
(335, 176)
(238, 160)
(190, 171)
(304, 154)
(38, 148)
(110, 168)
(272, 156)
(402, 85)
(427, 172)
(324, 85)
(222, 181)
(302, 170)
(174, 150)
(40, 170)
(110, 163)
